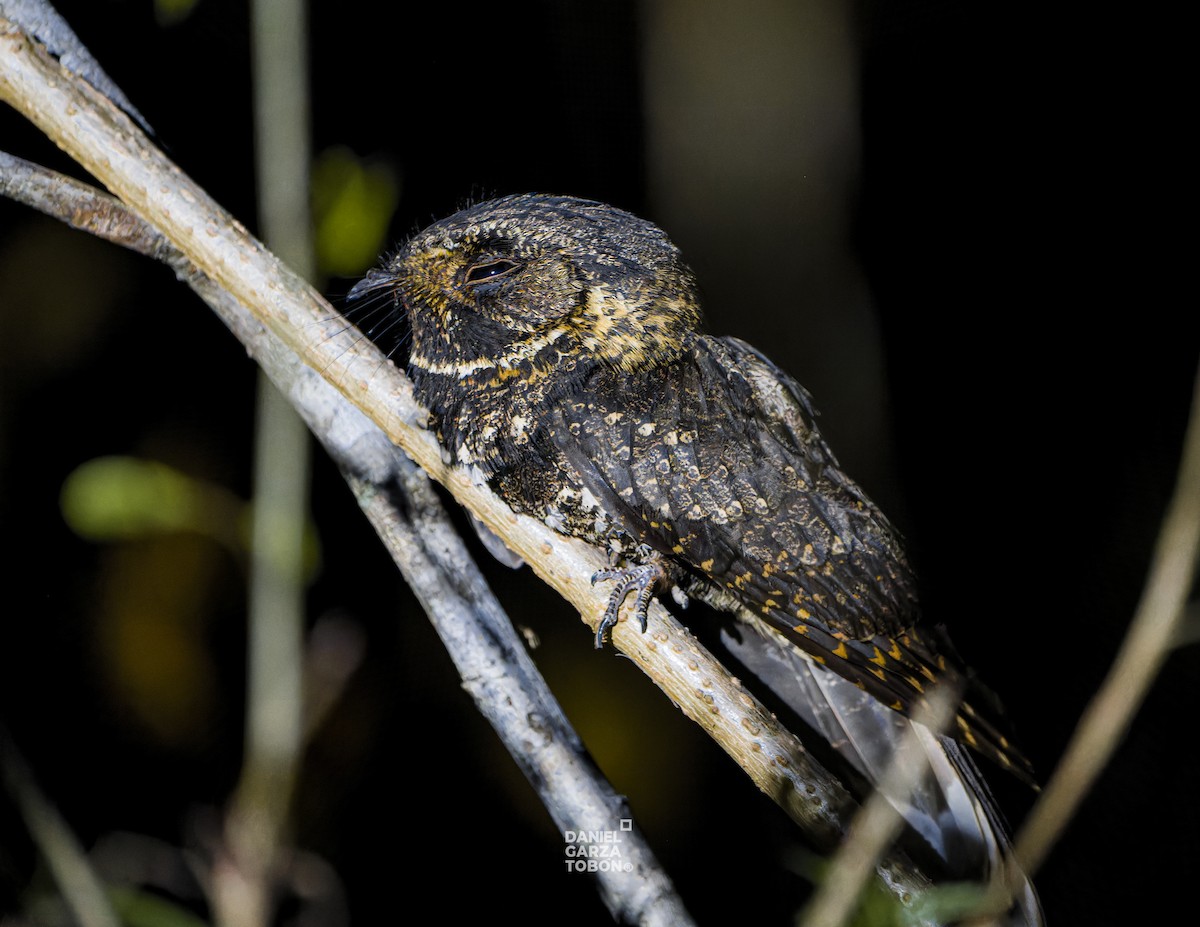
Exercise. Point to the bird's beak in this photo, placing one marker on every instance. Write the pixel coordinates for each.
(375, 279)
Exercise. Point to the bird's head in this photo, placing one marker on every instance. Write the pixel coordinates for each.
(528, 283)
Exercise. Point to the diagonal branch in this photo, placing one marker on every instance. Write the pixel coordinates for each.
(400, 503)
(1156, 628)
(284, 320)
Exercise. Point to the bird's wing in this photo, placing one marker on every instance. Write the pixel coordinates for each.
(723, 470)
(718, 465)
(843, 564)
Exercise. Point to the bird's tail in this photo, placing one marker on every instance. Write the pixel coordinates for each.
(955, 827)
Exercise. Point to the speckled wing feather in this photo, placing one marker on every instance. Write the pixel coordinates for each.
(718, 466)
(808, 543)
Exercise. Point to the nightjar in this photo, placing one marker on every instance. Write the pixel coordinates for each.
(558, 346)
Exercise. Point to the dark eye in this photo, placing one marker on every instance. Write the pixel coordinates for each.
(489, 270)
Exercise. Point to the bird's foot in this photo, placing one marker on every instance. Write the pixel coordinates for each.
(645, 579)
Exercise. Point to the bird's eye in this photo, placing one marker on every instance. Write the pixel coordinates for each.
(486, 271)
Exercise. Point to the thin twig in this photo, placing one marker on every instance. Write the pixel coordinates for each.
(107, 144)
(496, 670)
(104, 141)
(1155, 629)
(81, 887)
(258, 818)
(879, 821)
(504, 683)
(78, 205)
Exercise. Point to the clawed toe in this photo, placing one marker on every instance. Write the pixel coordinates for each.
(644, 579)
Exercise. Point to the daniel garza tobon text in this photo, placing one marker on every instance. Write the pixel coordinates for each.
(596, 850)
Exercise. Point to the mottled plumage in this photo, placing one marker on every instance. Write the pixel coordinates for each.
(558, 346)
(557, 343)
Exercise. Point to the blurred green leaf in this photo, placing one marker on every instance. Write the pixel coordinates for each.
(353, 201)
(876, 906)
(123, 497)
(141, 909)
(952, 903)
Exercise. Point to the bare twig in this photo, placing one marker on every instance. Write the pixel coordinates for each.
(879, 821)
(302, 323)
(257, 821)
(506, 687)
(40, 20)
(79, 206)
(399, 501)
(258, 817)
(107, 144)
(1155, 629)
(81, 887)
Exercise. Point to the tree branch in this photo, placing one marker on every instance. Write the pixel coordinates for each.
(406, 513)
(1156, 628)
(258, 816)
(284, 322)
(81, 888)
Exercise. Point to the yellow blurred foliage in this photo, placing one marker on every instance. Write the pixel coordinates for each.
(353, 201)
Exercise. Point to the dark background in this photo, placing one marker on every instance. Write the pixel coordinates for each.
(950, 222)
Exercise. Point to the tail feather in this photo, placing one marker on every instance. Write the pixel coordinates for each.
(951, 816)
(898, 671)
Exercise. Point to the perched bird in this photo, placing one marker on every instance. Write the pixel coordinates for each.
(558, 346)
